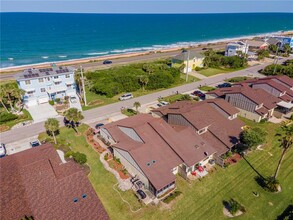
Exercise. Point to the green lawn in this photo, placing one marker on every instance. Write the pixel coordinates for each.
(207, 88)
(238, 79)
(214, 71)
(200, 199)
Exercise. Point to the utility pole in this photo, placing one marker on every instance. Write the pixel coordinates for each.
(276, 60)
(83, 87)
(186, 77)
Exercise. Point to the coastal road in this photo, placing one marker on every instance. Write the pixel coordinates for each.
(118, 61)
(104, 112)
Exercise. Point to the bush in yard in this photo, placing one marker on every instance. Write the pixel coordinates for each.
(51, 102)
(252, 137)
(79, 157)
(271, 184)
(234, 206)
(68, 154)
(5, 117)
(106, 157)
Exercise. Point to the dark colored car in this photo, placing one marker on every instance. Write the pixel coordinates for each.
(224, 85)
(35, 143)
(99, 125)
(107, 62)
(141, 194)
(2, 150)
(199, 94)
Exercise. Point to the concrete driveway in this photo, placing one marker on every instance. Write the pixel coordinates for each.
(42, 112)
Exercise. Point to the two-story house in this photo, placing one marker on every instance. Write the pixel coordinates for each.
(42, 85)
(233, 47)
(190, 58)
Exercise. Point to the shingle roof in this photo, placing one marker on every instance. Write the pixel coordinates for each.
(168, 146)
(256, 43)
(184, 56)
(202, 114)
(36, 183)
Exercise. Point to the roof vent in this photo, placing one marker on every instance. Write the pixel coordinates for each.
(196, 146)
(154, 161)
(206, 153)
(75, 200)
(148, 164)
(84, 196)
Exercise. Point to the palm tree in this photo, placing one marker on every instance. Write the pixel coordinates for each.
(52, 126)
(136, 105)
(144, 80)
(12, 93)
(287, 142)
(74, 116)
(2, 98)
(287, 49)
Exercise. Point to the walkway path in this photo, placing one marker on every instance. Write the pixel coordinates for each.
(105, 111)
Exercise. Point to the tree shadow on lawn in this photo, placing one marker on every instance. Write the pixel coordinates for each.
(260, 179)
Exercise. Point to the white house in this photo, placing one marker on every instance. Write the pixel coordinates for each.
(42, 85)
(233, 47)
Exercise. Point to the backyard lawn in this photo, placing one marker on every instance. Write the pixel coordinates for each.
(200, 199)
(213, 71)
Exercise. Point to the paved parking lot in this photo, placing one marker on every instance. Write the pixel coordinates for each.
(42, 112)
(19, 146)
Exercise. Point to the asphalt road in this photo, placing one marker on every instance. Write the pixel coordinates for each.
(119, 61)
(105, 111)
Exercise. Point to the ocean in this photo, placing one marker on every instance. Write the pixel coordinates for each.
(29, 38)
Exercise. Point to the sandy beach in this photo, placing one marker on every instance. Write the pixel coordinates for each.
(160, 53)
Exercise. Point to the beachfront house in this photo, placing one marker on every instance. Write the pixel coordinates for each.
(233, 48)
(42, 85)
(257, 44)
(284, 40)
(183, 138)
(194, 59)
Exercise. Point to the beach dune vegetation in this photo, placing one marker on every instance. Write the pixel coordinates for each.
(130, 78)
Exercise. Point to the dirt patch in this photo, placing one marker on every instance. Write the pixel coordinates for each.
(228, 214)
(4, 128)
(233, 159)
(96, 102)
(271, 204)
(89, 134)
(119, 168)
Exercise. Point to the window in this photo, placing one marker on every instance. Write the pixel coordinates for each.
(57, 83)
(41, 80)
(30, 92)
(43, 90)
(56, 77)
(67, 76)
(75, 200)
(84, 196)
(27, 82)
(202, 130)
(69, 86)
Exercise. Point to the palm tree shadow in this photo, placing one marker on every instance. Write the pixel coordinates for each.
(260, 179)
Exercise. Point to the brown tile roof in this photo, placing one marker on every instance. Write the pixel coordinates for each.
(36, 183)
(283, 79)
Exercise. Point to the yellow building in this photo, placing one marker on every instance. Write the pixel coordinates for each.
(195, 60)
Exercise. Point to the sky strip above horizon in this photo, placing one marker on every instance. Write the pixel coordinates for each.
(150, 6)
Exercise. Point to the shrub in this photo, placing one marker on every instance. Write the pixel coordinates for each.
(51, 102)
(106, 157)
(57, 100)
(271, 184)
(172, 196)
(5, 117)
(253, 137)
(234, 206)
(79, 157)
(68, 154)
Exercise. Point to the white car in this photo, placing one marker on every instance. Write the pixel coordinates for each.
(2, 150)
(163, 103)
(126, 96)
(73, 99)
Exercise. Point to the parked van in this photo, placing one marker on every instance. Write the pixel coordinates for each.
(126, 96)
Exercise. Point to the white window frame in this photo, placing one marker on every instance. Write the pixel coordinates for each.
(27, 82)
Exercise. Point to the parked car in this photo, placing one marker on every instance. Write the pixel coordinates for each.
(2, 150)
(107, 62)
(199, 94)
(138, 184)
(224, 85)
(141, 194)
(73, 99)
(35, 143)
(163, 103)
(126, 96)
(98, 127)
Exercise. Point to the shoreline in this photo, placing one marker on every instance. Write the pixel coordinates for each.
(160, 49)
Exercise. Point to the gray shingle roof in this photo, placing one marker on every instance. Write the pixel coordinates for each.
(184, 55)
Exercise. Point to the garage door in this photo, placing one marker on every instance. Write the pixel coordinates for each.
(31, 103)
(43, 100)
